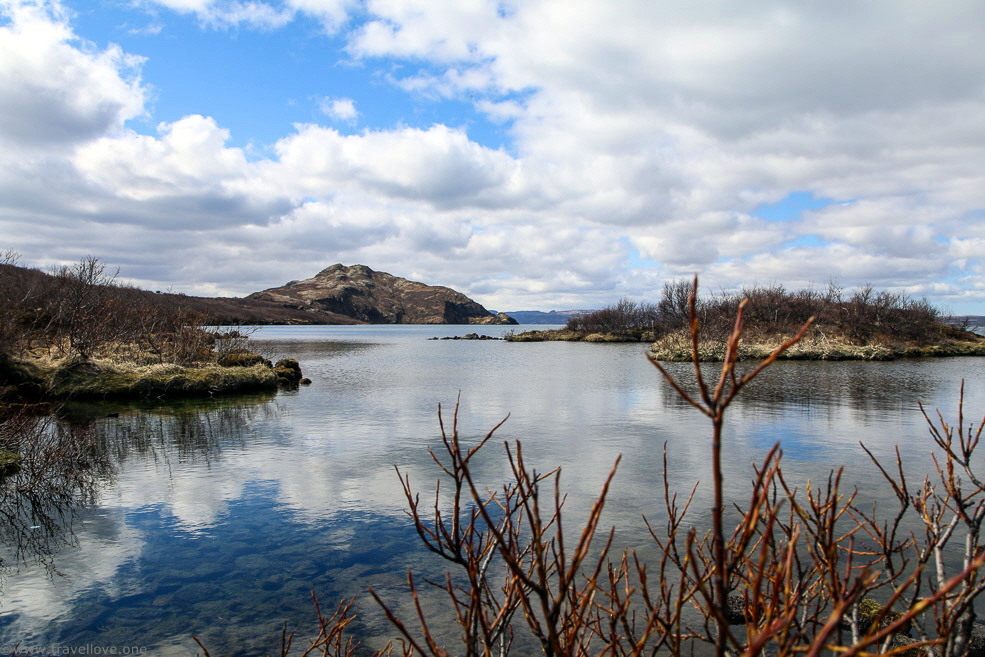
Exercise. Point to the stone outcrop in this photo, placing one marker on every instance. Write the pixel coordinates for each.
(379, 298)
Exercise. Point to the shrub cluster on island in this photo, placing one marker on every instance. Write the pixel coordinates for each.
(863, 325)
(79, 334)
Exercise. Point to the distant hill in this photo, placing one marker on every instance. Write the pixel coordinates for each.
(541, 317)
(336, 295)
(969, 320)
(379, 298)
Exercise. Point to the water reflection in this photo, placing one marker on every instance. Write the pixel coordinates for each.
(216, 519)
(62, 470)
(187, 432)
(867, 387)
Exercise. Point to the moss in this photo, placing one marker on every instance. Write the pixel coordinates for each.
(288, 372)
(869, 610)
(10, 462)
(242, 358)
(606, 337)
(563, 335)
(92, 381)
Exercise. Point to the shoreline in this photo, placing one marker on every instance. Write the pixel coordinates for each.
(676, 347)
(99, 379)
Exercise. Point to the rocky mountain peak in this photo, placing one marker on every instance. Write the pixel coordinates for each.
(380, 298)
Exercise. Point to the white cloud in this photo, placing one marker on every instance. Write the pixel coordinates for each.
(651, 127)
(56, 89)
(442, 30)
(439, 165)
(340, 109)
(222, 13)
(332, 13)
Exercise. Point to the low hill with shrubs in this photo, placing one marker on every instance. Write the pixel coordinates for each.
(863, 324)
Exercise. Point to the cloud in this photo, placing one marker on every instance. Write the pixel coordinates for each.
(340, 109)
(652, 128)
(442, 30)
(331, 13)
(186, 178)
(259, 14)
(56, 89)
(440, 166)
(226, 13)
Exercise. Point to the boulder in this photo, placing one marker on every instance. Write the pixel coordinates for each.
(288, 372)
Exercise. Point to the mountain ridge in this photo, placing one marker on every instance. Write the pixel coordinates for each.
(336, 295)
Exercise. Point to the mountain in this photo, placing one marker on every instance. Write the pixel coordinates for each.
(378, 298)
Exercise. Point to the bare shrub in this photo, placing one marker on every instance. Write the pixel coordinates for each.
(79, 307)
(863, 317)
(673, 305)
(627, 318)
(795, 572)
(82, 311)
(13, 291)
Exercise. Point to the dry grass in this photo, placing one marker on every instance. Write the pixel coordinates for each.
(814, 346)
(116, 380)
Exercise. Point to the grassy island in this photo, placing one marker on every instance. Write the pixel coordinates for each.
(863, 325)
(79, 334)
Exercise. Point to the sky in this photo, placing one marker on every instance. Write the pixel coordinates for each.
(536, 155)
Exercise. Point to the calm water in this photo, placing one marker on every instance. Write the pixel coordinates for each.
(218, 519)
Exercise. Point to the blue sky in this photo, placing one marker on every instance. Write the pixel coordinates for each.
(263, 81)
(534, 155)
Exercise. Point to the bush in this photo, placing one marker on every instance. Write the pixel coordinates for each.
(625, 319)
(805, 572)
(863, 317)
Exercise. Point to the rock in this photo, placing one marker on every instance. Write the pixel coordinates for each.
(868, 611)
(735, 608)
(498, 318)
(901, 641)
(976, 646)
(288, 372)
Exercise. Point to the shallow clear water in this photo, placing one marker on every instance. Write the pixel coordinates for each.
(217, 519)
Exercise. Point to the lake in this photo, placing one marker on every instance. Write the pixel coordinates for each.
(216, 519)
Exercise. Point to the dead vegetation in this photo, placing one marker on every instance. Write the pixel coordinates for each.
(862, 325)
(78, 332)
(786, 571)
